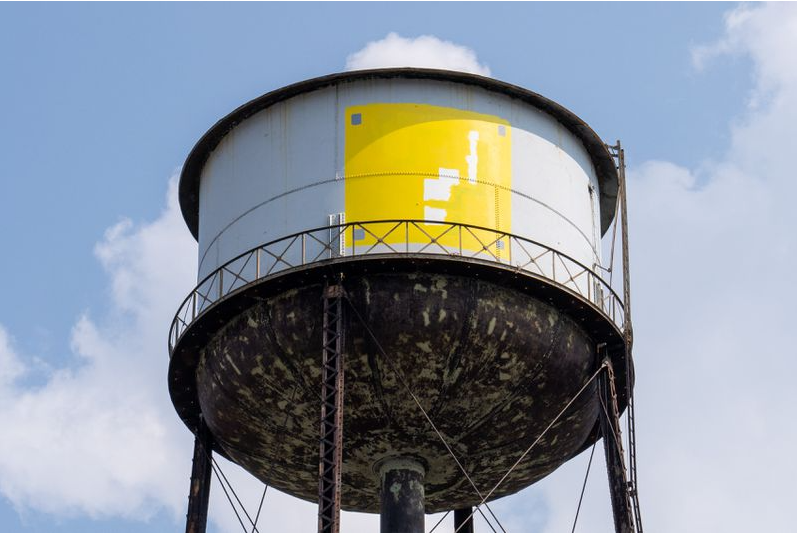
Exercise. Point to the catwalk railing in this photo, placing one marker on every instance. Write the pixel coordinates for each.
(397, 237)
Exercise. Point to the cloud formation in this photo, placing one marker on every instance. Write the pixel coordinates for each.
(425, 51)
(712, 251)
(97, 438)
(100, 438)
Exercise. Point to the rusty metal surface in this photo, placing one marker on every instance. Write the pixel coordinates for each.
(491, 365)
(199, 492)
(596, 150)
(619, 488)
(628, 333)
(185, 353)
(402, 507)
(332, 390)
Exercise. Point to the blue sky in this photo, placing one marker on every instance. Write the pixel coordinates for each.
(107, 100)
(101, 103)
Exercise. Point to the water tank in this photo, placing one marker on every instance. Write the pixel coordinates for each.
(464, 216)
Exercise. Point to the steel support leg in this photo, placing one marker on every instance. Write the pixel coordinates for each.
(463, 520)
(331, 453)
(199, 494)
(402, 507)
(613, 446)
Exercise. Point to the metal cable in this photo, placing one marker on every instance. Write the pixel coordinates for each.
(425, 414)
(583, 487)
(235, 495)
(271, 470)
(222, 478)
(440, 521)
(213, 466)
(537, 440)
(259, 508)
(234, 509)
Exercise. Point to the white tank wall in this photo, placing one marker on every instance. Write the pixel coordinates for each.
(245, 194)
(275, 173)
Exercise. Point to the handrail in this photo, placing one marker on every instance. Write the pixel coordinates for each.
(401, 237)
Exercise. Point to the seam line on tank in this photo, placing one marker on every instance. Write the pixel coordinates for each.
(377, 174)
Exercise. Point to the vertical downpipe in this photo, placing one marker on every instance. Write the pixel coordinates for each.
(402, 494)
(463, 520)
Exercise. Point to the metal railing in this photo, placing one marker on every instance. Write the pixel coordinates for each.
(352, 239)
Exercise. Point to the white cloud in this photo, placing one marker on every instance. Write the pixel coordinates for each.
(98, 437)
(713, 285)
(11, 367)
(713, 251)
(703, 54)
(425, 51)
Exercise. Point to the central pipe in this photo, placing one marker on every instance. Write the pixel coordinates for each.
(402, 509)
(463, 520)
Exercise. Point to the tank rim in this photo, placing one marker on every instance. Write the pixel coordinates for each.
(598, 152)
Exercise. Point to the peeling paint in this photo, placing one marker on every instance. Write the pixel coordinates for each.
(424, 346)
(395, 489)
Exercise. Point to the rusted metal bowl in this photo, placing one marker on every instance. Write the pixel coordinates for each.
(491, 355)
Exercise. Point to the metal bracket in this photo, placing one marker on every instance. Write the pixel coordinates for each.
(337, 235)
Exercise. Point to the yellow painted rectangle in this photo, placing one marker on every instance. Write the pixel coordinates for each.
(418, 161)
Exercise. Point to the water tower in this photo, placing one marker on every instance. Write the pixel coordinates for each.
(400, 307)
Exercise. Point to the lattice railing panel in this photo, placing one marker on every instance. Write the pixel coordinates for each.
(398, 237)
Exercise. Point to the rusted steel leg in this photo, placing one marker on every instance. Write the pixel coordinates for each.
(331, 452)
(612, 445)
(463, 520)
(197, 517)
(402, 509)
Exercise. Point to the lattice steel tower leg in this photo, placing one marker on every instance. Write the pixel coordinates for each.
(613, 446)
(331, 453)
(199, 493)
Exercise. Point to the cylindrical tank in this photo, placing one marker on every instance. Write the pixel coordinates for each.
(465, 215)
(401, 145)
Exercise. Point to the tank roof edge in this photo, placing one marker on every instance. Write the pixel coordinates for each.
(596, 148)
